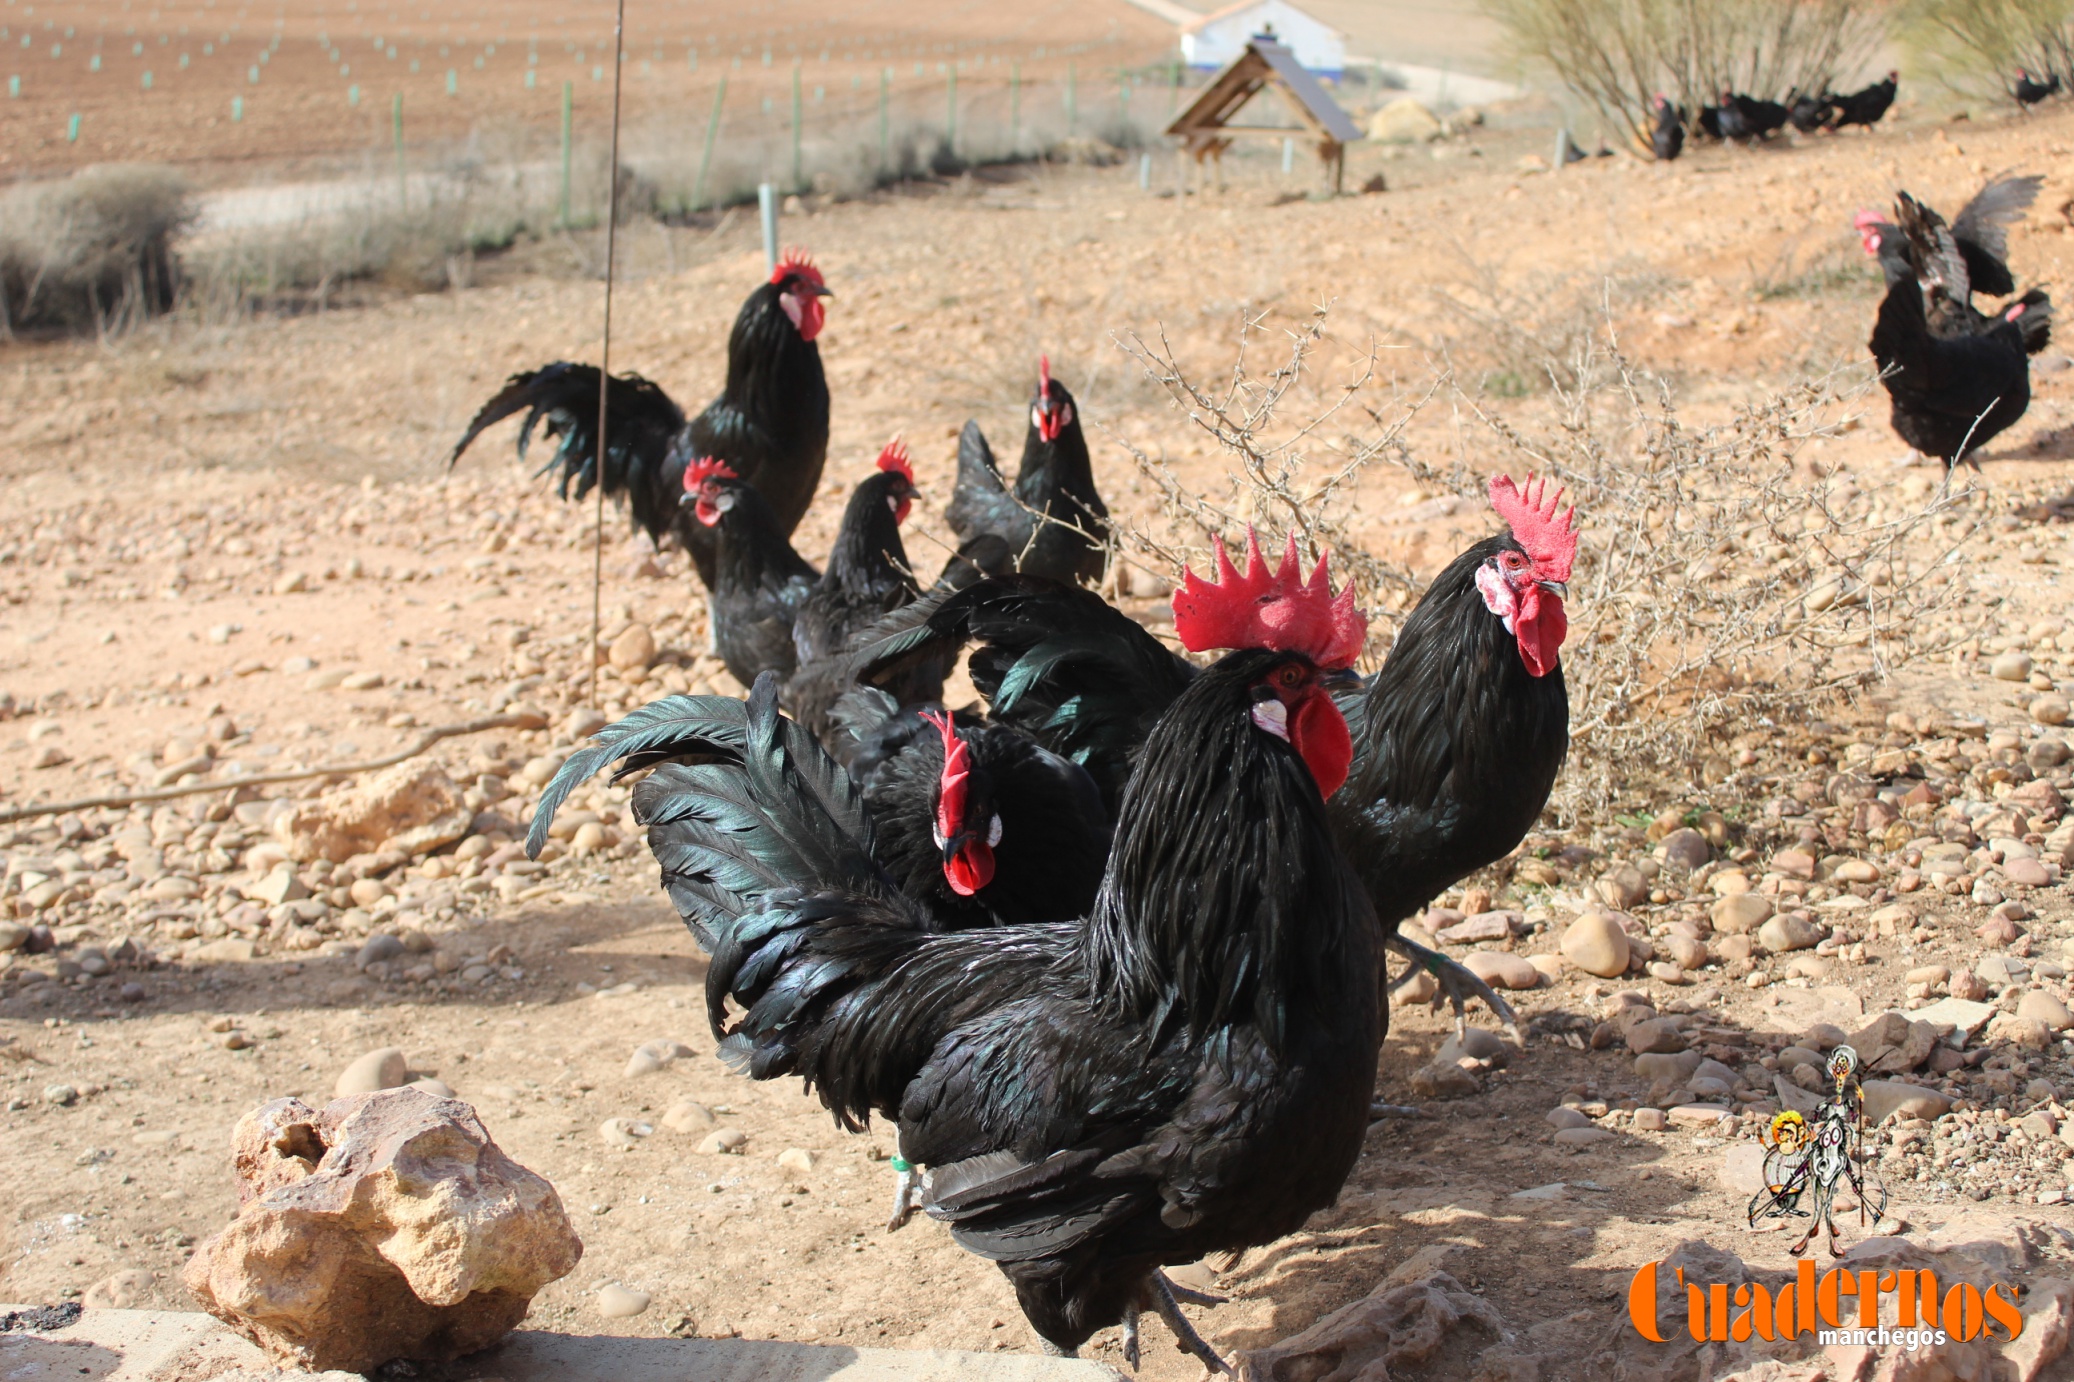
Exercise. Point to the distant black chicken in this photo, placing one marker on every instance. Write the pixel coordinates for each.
(2029, 91)
(1749, 118)
(1952, 393)
(1185, 1070)
(759, 583)
(769, 424)
(1809, 113)
(1865, 107)
(1054, 521)
(1667, 135)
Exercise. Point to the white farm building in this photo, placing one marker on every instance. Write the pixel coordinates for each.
(1216, 40)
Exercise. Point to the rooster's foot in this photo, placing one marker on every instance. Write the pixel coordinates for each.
(1457, 985)
(1129, 1325)
(1185, 1295)
(1052, 1350)
(1184, 1332)
(907, 1198)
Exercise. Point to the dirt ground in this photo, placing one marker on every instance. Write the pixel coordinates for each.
(203, 530)
(297, 108)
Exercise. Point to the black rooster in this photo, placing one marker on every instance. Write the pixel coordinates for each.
(2029, 91)
(759, 584)
(1185, 1070)
(1969, 257)
(1748, 117)
(770, 424)
(1667, 135)
(1866, 107)
(1456, 747)
(1054, 521)
(867, 577)
(1951, 394)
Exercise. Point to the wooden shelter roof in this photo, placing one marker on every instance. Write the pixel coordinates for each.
(1264, 63)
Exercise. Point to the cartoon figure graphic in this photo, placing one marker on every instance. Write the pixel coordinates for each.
(1803, 1157)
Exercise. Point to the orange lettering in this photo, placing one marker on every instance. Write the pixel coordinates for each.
(2004, 1311)
(1717, 1302)
(1869, 1300)
(1757, 1317)
(1827, 1302)
(1795, 1313)
(1962, 1311)
(1642, 1303)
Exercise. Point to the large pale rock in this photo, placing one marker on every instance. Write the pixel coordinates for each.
(2045, 1008)
(1885, 1097)
(1740, 913)
(412, 808)
(384, 1226)
(634, 649)
(1891, 1044)
(1596, 944)
(1404, 121)
(1787, 932)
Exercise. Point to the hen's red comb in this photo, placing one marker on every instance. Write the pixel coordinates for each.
(1549, 537)
(797, 261)
(1044, 376)
(706, 468)
(1282, 612)
(894, 457)
(957, 769)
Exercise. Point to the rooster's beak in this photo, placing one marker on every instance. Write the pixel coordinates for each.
(821, 290)
(1344, 679)
(1559, 589)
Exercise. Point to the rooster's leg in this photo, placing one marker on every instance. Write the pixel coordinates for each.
(1052, 1350)
(712, 628)
(1129, 1325)
(1184, 1332)
(1456, 982)
(907, 1196)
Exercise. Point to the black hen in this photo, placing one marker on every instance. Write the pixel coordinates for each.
(1753, 118)
(1868, 106)
(1951, 394)
(1809, 113)
(1054, 522)
(1186, 1070)
(770, 424)
(867, 577)
(1667, 135)
(2029, 91)
(759, 584)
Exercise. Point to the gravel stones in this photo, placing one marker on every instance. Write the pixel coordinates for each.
(2049, 709)
(1566, 1117)
(1655, 1037)
(1786, 932)
(1596, 944)
(2026, 873)
(1794, 863)
(2041, 1006)
(724, 1142)
(1670, 1067)
(1579, 1138)
(410, 809)
(1485, 926)
(1740, 913)
(1651, 1120)
(2013, 666)
(385, 1067)
(652, 1056)
(1884, 1098)
(1685, 848)
(633, 650)
(797, 1160)
(1891, 1044)
(413, 1235)
(688, 1116)
(1623, 887)
(616, 1302)
(1502, 970)
(376, 948)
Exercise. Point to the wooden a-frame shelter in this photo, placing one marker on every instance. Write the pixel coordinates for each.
(1205, 129)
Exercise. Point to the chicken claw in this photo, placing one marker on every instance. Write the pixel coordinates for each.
(1184, 1333)
(907, 1194)
(1456, 983)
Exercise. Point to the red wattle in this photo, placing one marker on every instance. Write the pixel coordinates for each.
(970, 869)
(1540, 635)
(1318, 732)
(706, 511)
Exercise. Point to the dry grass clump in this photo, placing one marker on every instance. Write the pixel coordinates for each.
(1615, 54)
(95, 250)
(1724, 573)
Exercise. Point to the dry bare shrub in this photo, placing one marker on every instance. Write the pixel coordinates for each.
(1615, 54)
(92, 250)
(1723, 574)
(1977, 46)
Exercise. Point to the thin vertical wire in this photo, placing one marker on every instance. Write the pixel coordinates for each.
(619, 25)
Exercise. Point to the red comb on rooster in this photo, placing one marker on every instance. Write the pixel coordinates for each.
(968, 860)
(894, 457)
(1282, 612)
(1549, 537)
(1526, 588)
(804, 289)
(695, 477)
